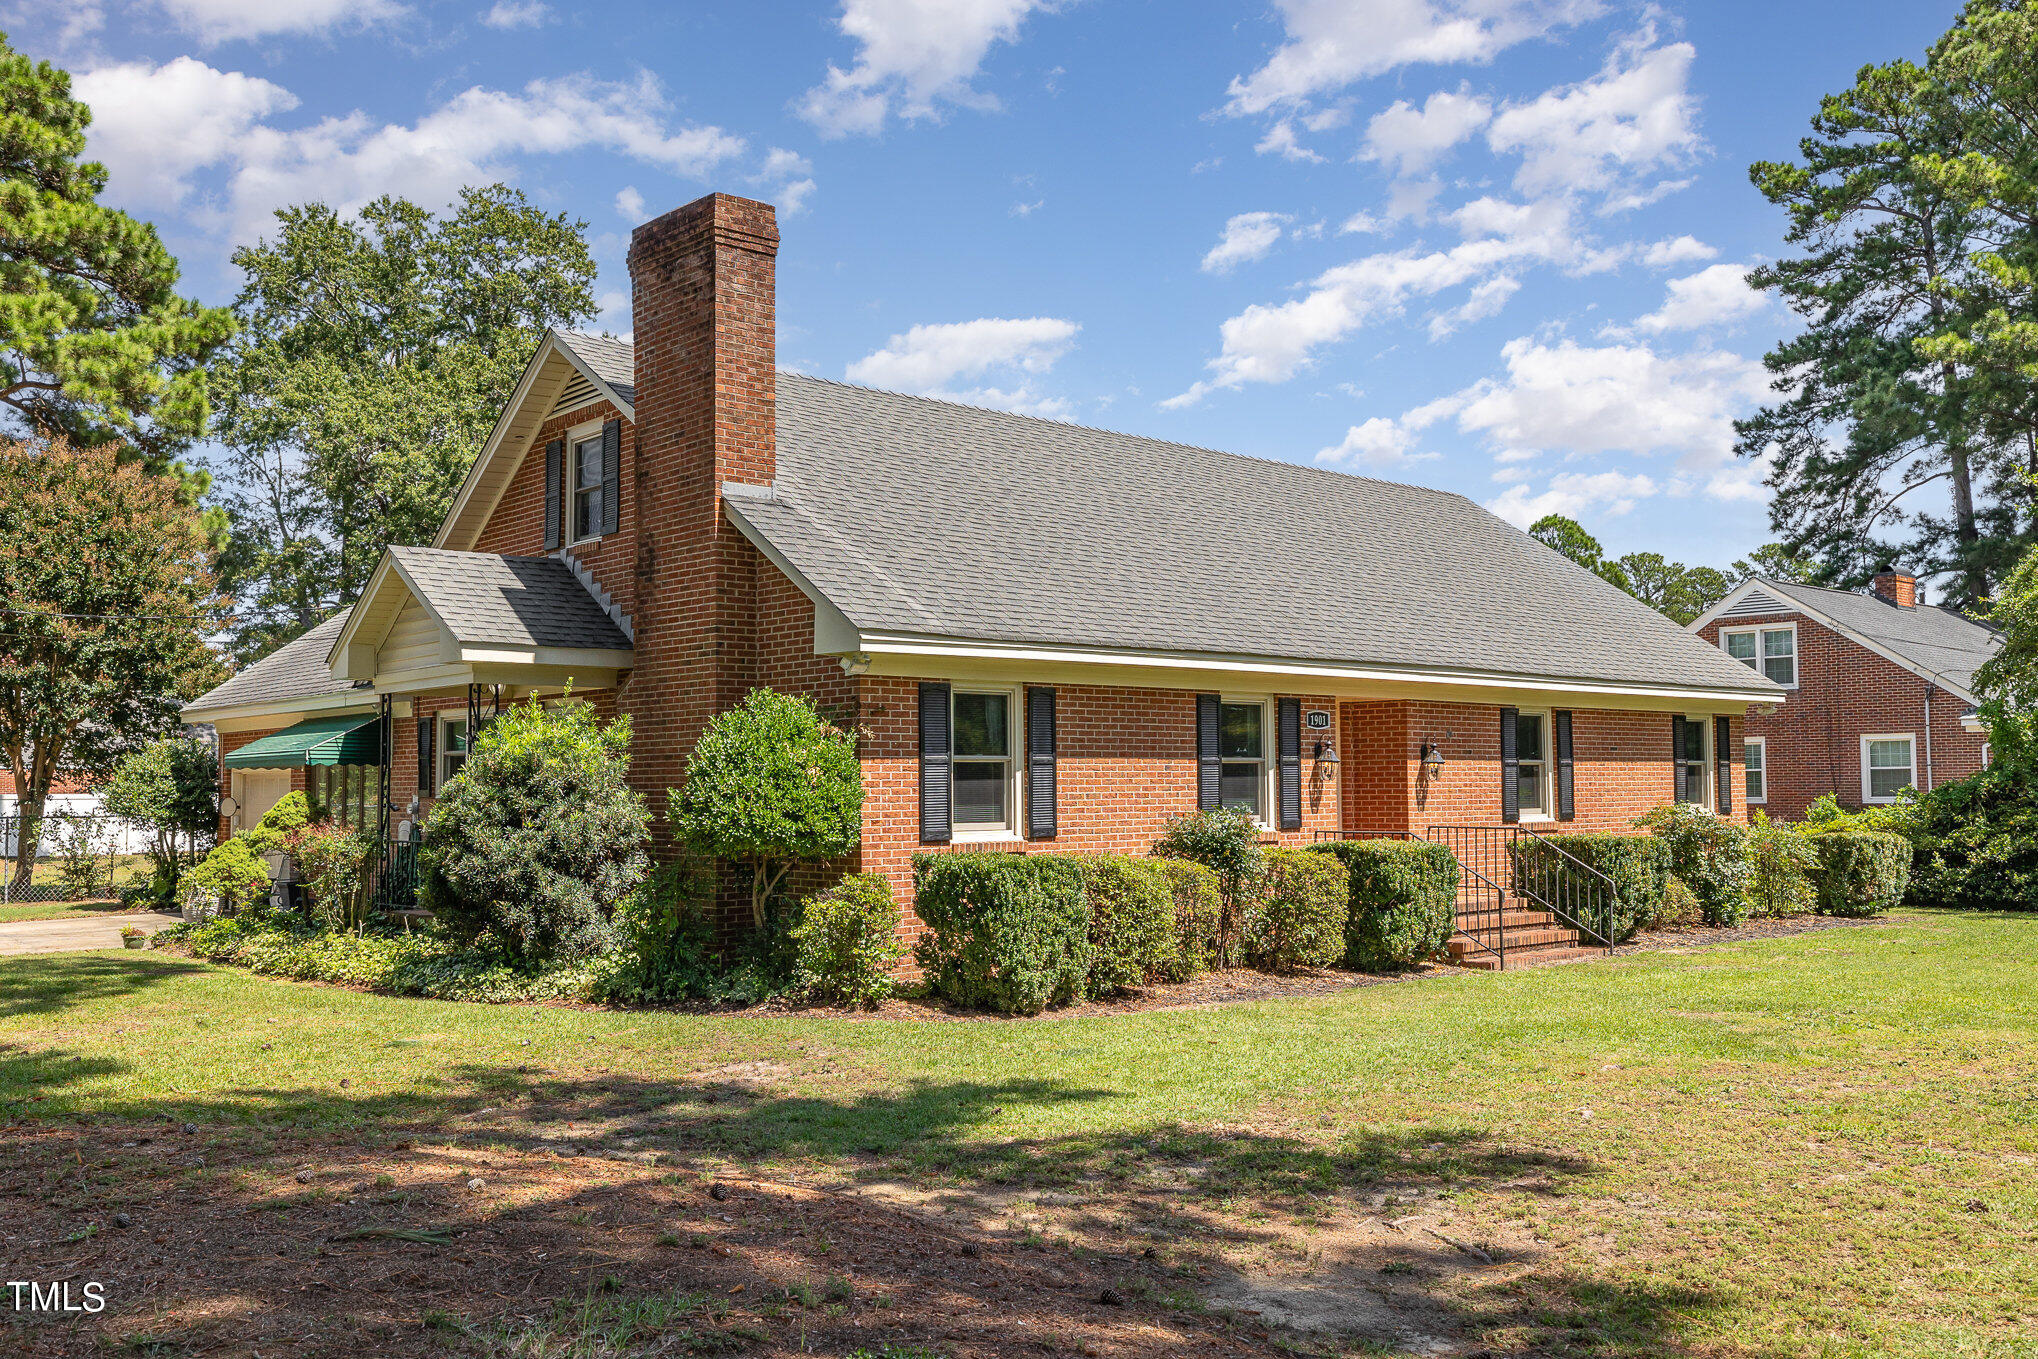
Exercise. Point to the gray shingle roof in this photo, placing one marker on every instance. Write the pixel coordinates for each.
(610, 359)
(1937, 640)
(294, 670)
(922, 516)
(516, 601)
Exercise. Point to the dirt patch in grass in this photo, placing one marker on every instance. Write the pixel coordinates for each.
(1702, 936)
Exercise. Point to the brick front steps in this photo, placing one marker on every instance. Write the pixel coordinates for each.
(1533, 937)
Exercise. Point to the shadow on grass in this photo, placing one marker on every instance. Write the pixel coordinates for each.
(43, 990)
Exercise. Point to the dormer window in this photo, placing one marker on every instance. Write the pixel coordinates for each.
(586, 481)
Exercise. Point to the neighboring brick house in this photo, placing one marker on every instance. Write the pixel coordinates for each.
(1047, 636)
(1881, 690)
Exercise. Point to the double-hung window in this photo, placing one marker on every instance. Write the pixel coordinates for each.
(452, 747)
(1532, 764)
(1755, 757)
(1691, 759)
(1888, 766)
(1773, 651)
(585, 479)
(1242, 756)
(982, 785)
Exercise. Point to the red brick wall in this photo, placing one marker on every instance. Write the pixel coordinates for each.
(1620, 766)
(1845, 691)
(517, 525)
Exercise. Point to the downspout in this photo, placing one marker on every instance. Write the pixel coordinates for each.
(1929, 687)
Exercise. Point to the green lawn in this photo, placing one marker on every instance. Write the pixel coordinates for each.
(1820, 1145)
(58, 910)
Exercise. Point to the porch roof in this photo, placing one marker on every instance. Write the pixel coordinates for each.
(351, 738)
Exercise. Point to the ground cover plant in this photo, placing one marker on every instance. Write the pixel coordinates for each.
(1817, 1145)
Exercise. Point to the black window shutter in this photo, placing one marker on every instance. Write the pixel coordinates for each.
(1040, 792)
(611, 475)
(1289, 728)
(1676, 759)
(935, 750)
(426, 765)
(1209, 771)
(1723, 760)
(1510, 766)
(555, 457)
(1566, 807)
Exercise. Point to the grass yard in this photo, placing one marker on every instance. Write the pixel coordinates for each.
(1822, 1145)
(61, 910)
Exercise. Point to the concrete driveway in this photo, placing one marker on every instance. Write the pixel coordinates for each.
(70, 936)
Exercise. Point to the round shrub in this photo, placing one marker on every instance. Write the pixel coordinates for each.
(1132, 922)
(272, 833)
(538, 839)
(1781, 862)
(1302, 909)
(1226, 842)
(1710, 853)
(1402, 900)
(1005, 932)
(231, 875)
(846, 942)
(1860, 873)
(1198, 918)
(1680, 909)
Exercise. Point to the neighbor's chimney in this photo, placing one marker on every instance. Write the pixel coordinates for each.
(1896, 587)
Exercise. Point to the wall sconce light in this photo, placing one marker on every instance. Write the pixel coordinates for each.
(1432, 761)
(1326, 759)
(856, 663)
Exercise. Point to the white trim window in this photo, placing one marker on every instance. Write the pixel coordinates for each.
(1773, 651)
(452, 753)
(1889, 764)
(584, 482)
(1694, 761)
(1755, 758)
(1533, 762)
(1243, 736)
(983, 787)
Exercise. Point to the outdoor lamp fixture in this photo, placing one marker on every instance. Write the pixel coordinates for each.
(856, 663)
(1326, 759)
(1432, 761)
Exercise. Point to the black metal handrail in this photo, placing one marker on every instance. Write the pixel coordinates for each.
(393, 876)
(1474, 884)
(1576, 894)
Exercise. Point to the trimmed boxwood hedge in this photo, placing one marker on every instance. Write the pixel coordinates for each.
(1006, 932)
(1301, 916)
(1132, 922)
(1199, 917)
(1860, 873)
(1401, 900)
(1638, 866)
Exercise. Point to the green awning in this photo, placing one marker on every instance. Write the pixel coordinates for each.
(352, 739)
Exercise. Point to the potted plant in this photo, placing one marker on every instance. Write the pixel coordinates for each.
(133, 937)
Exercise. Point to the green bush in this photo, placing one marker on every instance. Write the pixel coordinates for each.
(231, 875)
(1680, 907)
(539, 839)
(171, 790)
(271, 834)
(1198, 918)
(1975, 842)
(1402, 900)
(1226, 842)
(1005, 932)
(1302, 909)
(847, 942)
(1132, 922)
(332, 863)
(1781, 862)
(1860, 873)
(1638, 866)
(1710, 853)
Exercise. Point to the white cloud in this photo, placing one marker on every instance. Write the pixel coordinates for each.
(630, 204)
(788, 177)
(1577, 494)
(1247, 237)
(1027, 209)
(217, 21)
(1680, 250)
(154, 126)
(1377, 443)
(931, 359)
(916, 56)
(1281, 141)
(1635, 116)
(1711, 297)
(1409, 140)
(1332, 43)
(508, 14)
(1485, 300)
(168, 128)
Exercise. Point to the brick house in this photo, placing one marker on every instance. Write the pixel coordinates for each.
(1881, 690)
(1048, 636)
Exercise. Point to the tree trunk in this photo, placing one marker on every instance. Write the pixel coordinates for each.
(34, 795)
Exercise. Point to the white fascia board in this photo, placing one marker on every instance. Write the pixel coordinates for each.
(235, 716)
(935, 648)
(551, 656)
(1824, 620)
(336, 654)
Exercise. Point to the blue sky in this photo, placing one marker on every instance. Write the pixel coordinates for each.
(1491, 245)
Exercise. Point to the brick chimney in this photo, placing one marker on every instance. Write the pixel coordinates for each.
(1895, 587)
(703, 284)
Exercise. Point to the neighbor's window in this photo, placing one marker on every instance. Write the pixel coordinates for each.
(1773, 651)
(981, 797)
(1755, 755)
(1531, 754)
(586, 481)
(1691, 760)
(452, 748)
(1242, 756)
(342, 793)
(1887, 767)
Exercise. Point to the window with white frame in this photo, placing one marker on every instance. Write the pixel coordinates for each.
(1692, 760)
(585, 479)
(1532, 764)
(1755, 755)
(981, 789)
(1242, 758)
(1773, 651)
(1888, 766)
(452, 747)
